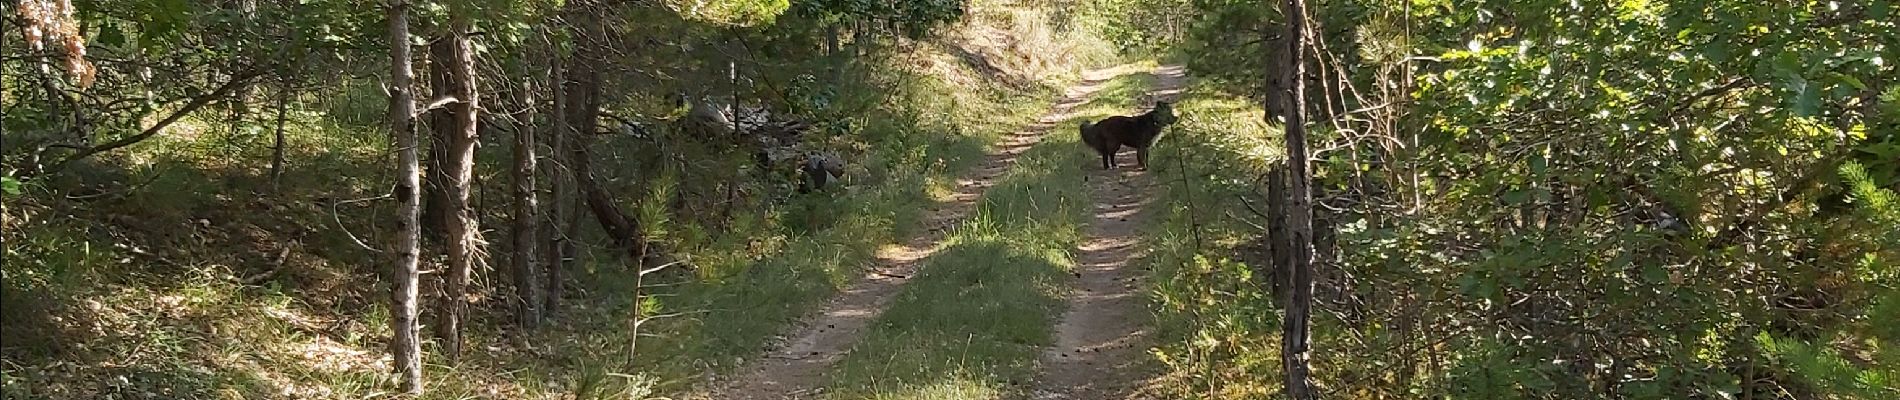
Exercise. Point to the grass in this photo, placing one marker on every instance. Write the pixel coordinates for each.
(1004, 268)
(1218, 330)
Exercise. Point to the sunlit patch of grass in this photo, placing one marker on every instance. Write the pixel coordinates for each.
(951, 389)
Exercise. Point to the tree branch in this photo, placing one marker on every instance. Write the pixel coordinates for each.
(434, 104)
(196, 103)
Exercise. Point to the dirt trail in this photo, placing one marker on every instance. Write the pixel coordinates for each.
(796, 370)
(1102, 336)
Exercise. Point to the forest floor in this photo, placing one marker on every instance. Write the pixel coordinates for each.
(1098, 342)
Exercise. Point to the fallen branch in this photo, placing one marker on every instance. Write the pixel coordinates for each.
(338, 217)
(644, 272)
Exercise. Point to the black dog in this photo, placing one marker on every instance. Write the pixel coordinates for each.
(1139, 132)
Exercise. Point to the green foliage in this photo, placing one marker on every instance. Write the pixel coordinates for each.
(914, 19)
(1570, 192)
(1881, 206)
(732, 12)
(1827, 371)
(9, 185)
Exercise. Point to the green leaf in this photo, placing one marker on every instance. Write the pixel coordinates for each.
(1807, 100)
(1718, 51)
(110, 36)
(9, 186)
(1516, 197)
(1850, 80)
(1654, 273)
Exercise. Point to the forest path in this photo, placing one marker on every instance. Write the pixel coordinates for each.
(796, 369)
(1101, 338)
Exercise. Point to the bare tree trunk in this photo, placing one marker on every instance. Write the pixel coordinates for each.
(1275, 82)
(277, 142)
(562, 206)
(437, 168)
(583, 103)
(1295, 336)
(240, 98)
(527, 211)
(463, 235)
(404, 346)
(1282, 246)
(860, 35)
(831, 39)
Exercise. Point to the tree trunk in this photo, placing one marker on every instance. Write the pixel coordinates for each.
(562, 206)
(1281, 245)
(404, 346)
(831, 39)
(277, 142)
(527, 211)
(240, 98)
(583, 104)
(463, 236)
(435, 214)
(1275, 83)
(859, 36)
(1295, 341)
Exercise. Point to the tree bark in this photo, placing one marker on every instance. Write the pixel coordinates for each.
(526, 212)
(277, 142)
(1281, 244)
(463, 235)
(404, 346)
(831, 39)
(435, 214)
(1275, 82)
(562, 206)
(1295, 337)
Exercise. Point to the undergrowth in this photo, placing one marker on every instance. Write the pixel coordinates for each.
(272, 292)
